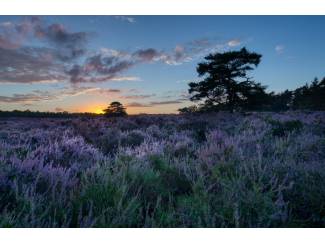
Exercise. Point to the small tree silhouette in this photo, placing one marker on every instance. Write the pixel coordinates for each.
(115, 109)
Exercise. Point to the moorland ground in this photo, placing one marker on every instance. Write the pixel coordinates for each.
(207, 170)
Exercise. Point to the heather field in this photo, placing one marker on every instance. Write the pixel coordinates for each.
(208, 170)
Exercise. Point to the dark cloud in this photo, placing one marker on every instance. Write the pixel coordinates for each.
(65, 56)
(28, 65)
(166, 102)
(76, 73)
(12, 34)
(155, 103)
(114, 90)
(99, 68)
(137, 105)
(7, 43)
(103, 67)
(177, 56)
(41, 96)
(26, 98)
(70, 45)
(59, 110)
(22, 64)
(147, 55)
(104, 91)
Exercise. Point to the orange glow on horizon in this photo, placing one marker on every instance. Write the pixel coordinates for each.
(98, 108)
(98, 111)
(93, 108)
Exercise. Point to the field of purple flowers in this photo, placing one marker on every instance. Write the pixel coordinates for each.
(213, 170)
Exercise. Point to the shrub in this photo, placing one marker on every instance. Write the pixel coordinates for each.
(283, 128)
(133, 138)
(109, 141)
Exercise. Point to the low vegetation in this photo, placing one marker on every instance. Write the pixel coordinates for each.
(213, 170)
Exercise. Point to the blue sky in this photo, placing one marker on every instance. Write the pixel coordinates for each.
(82, 63)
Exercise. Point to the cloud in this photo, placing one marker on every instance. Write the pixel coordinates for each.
(155, 103)
(76, 91)
(126, 18)
(177, 56)
(52, 63)
(41, 96)
(63, 54)
(234, 43)
(182, 53)
(279, 49)
(59, 110)
(7, 43)
(108, 65)
(138, 96)
(103, 91)
(23, 64)
(197, 49)
(13, 34)
(99, 68)
(26, 98)
(126, 78)
(166, 102)
(113, 52)
(147, 55)
(137, 105)
(6, 24)
(69, 45)
(28, 65)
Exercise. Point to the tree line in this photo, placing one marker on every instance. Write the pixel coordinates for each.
(38, 114)
(225, 85)
(115, 109)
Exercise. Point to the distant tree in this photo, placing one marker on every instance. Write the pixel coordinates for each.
(281, 101)
(319, 95)
(226, 85)
(115, 109)
(254, 97)
(311, 97)
(188, 110)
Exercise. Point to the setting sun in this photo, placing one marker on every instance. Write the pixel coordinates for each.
(97, 111)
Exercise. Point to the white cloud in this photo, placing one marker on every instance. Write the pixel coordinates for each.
(234, 43)
(6, 24)
(126, 78)
(114, 53)
(126, 18)
(279, 49)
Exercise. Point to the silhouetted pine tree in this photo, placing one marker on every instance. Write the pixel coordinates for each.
(226, 85)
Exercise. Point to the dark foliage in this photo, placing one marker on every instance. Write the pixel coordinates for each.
(226, 85)
(281, 101)
(282, 129)
(115, 109)
(311, 97)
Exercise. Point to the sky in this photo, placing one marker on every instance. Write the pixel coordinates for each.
(83, 63)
